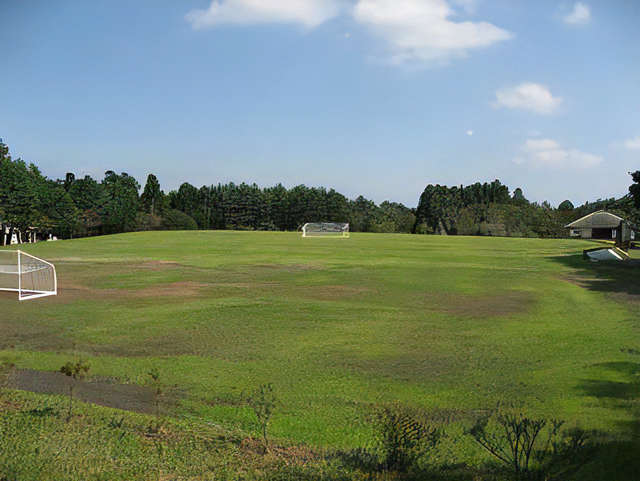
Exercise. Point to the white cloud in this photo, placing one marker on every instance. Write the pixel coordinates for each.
(469, 133)
(309, 13)
(548, 153)
(633, 143)
(468, 6)
(545, 145)
(580, 15)
(528, 96)
(419, 30)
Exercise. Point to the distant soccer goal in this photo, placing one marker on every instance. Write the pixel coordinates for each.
(27, 275)
(325, 229)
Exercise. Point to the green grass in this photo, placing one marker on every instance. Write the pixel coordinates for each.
(446, 324)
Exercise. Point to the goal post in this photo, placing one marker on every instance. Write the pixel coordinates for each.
(29, 276)
(325, 229)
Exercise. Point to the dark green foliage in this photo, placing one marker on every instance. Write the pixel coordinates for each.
(185, 199)
(88, 197)
(362, 215)
(565, 206)
(487, 209)
(441, 207)
(175, 220)
(120, 210)
(263, 401)
(23, 193)
(248, 207)
(518, 196)
(394, 217)
(147, 222)
(83, 207)
(634, 189)
(152, 198)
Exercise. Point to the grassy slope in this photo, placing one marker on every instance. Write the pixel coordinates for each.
(454, 324)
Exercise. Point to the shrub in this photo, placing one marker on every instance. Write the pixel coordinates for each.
(531, 448)
(177, 220)
(404, 438)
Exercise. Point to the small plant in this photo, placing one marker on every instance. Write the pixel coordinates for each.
(74, 371)
(157, 387)
(631, 350)
(515, 439)
(404, 438)
(6, 371)
(263, 401)
(116, 422)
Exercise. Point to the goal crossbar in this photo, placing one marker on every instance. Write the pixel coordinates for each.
(29, 276)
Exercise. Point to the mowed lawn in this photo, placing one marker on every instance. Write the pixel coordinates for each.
(451, 325)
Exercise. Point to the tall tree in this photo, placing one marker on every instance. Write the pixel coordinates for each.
(634, 189)
(22, 193)
(395, 217)
(89, 197)
(152, 198)
(439, 209)
(186, 199)
(119, 212)
(363, 215)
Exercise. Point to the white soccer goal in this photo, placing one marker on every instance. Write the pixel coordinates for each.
(27, 275)
(325, 229)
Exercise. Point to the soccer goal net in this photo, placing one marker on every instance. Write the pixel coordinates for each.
(325, 229)
(27, 275)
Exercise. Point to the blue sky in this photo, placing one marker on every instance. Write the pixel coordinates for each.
(369, 97)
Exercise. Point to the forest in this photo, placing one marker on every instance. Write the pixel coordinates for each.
(80, 207)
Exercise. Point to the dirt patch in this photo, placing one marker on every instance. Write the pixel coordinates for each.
(180, 289)
(253, 451)
(288, 267)
(69, 292)
(508, 304)
(103, 392)
(155, 265)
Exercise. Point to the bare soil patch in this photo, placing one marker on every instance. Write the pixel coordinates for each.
(104, 392)
(155, 265)
(288, 267)
(70, 291)
(474, 307)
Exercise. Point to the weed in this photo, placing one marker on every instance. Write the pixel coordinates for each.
(158, 387)
(263, 401)
(74, 371)
(532, 448)
(42, 411)
(116, 422)
(404, 438)
(6, 371)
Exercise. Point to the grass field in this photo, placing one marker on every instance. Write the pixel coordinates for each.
(447, 325)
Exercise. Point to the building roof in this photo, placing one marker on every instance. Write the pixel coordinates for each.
(599, 219)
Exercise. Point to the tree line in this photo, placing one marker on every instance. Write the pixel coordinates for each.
(489, 209)
(80, 207)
